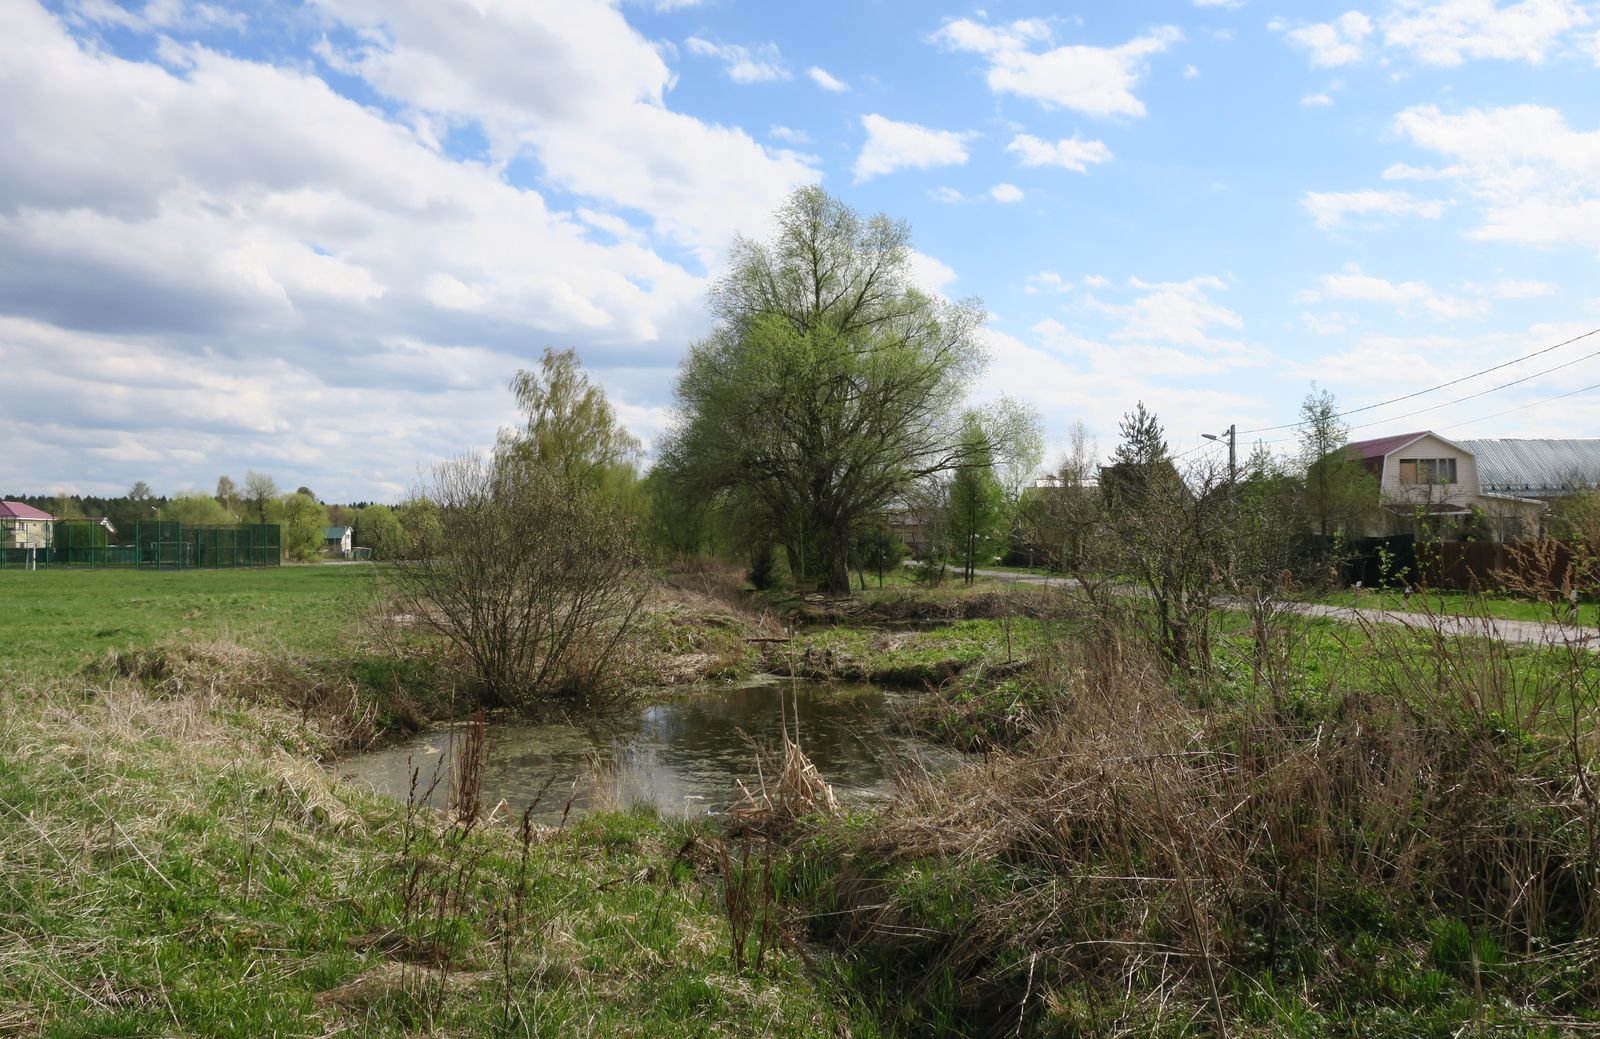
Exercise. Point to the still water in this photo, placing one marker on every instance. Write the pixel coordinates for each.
(683, 753)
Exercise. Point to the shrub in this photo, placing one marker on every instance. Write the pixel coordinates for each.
(531, 577)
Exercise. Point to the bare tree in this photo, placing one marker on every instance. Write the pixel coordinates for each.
(260, 490)
(532, 578)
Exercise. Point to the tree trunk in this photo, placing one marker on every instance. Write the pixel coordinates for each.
(834, 569)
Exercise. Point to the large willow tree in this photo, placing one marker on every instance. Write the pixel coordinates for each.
(829, 385)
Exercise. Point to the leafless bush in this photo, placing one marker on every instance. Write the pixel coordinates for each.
(531, 578)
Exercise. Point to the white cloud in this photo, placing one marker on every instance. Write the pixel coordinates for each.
(1511, 288)
(1330, 209)
(1095, 80)
(821, 78)
(157, 15)
(592, 109)
(1535, 180)
(1330, 44)
(788, 134)
(947, 195)
(1447, 32)
(1006, 193)
(1326, 324)
(1181, 313)
(762, 64)
(1095, 281)
(1407, 297)
(1315, 101)
(1073, 378)
(1190, 72)
(1046, 281)
(1231, 4)
(1069, 153)
(224, 264)
(892, 145)
(929, 274)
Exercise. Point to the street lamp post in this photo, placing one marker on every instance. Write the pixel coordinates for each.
(1231, 434)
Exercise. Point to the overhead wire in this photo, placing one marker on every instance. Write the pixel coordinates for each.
(1448, 403)
(1522, 407)
(1446, 385)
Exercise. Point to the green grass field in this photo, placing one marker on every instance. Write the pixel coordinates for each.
(56, 621)
(174, 861)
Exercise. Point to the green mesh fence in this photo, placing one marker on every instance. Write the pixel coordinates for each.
(152, 545)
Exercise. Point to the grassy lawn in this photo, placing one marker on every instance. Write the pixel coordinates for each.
(174, 861)
(1455, 603)
(58, 620)
(180, 866)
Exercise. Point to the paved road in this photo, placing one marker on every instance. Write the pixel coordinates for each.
(1528, 632)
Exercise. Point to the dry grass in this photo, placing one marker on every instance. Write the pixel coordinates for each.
(331, 708)
(173, 861)
(1150, 856)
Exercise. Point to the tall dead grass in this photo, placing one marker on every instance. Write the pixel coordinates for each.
(1163, 850)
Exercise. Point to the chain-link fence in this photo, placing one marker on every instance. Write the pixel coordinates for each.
(153, 545)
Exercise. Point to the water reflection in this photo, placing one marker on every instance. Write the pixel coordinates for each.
(685, 754)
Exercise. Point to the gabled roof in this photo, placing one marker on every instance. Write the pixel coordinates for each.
(1382, 447)
(17, 510)
(335, 533)
(1373, 452)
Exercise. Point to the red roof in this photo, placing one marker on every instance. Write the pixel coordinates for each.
(1373, 452)
(17, 510)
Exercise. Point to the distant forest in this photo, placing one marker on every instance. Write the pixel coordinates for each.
(124, 510)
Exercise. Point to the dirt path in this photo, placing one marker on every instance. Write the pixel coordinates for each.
(1532, 633)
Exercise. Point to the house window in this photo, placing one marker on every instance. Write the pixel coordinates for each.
(1427, 470)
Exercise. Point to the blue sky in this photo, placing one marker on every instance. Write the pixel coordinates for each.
(315, 239)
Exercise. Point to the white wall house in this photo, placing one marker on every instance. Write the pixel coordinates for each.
(336, 541)
(1428, 482)
(23, 526)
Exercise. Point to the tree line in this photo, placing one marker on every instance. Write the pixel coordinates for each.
(301, 515)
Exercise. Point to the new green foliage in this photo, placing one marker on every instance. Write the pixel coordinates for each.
(977, 501)
(378, 528)
(829, 384)
(1340, 493)
(302, 519)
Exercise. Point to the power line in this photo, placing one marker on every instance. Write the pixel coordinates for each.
(1442, 385)
(1448, 403)
(1522, 407)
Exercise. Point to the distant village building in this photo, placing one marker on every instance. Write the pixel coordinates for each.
(337, 541)
(909, 526)
(23, 526)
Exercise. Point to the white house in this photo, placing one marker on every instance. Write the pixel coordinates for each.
(1426, 481)
(336, 540)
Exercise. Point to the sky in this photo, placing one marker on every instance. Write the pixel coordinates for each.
(316, 239)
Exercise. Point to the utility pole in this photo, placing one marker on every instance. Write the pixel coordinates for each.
(1232, 435)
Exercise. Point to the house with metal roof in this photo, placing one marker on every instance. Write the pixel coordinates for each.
(336, 541)
(1429, 484)
(1543, 469)
(23, 526)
